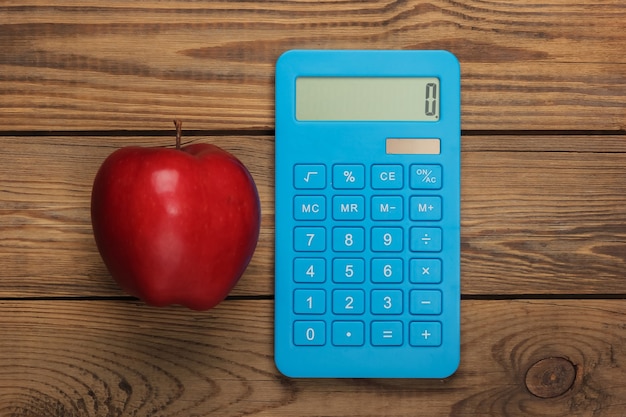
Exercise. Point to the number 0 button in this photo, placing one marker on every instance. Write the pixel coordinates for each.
(309, 333)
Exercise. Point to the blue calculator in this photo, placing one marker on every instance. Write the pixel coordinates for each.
(367, 214)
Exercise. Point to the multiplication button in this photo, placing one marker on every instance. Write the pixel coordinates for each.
(425, 271)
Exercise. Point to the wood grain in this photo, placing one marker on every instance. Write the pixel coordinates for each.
(544, 221)
(118, 358)
(118, 65)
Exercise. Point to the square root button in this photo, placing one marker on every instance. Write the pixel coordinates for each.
(311, 177)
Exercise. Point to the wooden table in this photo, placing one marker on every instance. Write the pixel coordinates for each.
(543, 204)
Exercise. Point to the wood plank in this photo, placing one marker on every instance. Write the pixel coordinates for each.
(551, 221)
(46, 241)
(71, 358)
(118, 65)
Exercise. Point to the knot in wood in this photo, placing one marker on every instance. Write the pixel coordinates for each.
(550, 377)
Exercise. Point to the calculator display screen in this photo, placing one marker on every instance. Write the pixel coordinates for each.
(414, 99)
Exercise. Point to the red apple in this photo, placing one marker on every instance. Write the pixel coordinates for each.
(175, 226)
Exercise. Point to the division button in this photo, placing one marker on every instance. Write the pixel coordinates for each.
(426, 239)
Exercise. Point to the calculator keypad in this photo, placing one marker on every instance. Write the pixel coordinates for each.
(371, 276)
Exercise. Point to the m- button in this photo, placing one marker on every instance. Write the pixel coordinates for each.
(387, 177)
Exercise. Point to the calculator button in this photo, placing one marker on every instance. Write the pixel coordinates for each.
(425, 208)
(312, 239)
(387, 239)
(348, 177)
(348, 270)
(348, 239)
(312, 177)
(425, 271)
(387, 208)
(348, 302)
(348, 333)
(309, 333)
(425, 333)
(425, 302)
(427, 177)
(309, 207)
(387, 177)
(351, 207)
(386, 302)
(426, 239)
(387, 333)
(387, 270)
(309, 301)
(309, 270)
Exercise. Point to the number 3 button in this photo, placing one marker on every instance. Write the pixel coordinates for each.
(386, 302)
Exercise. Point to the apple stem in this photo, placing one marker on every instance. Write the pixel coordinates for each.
(179, 132)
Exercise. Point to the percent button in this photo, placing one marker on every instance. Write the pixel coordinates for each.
(426, 177)
(348, 177)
